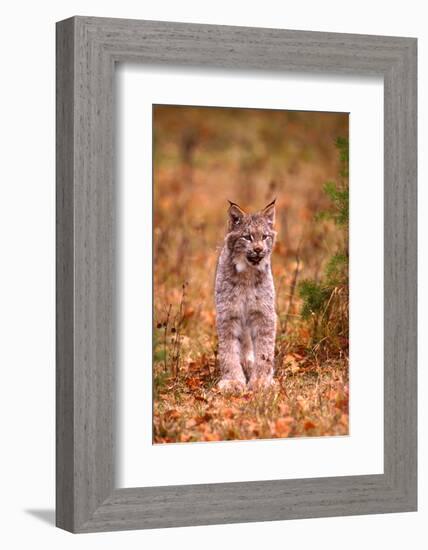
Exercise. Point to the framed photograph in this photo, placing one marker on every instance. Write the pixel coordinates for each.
(236, 274)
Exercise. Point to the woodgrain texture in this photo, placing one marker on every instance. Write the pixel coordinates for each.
(87, 49)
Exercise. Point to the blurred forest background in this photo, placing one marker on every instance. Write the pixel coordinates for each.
(204, 156)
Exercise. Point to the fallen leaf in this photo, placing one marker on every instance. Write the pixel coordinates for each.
(189, 312)
(309, 425)
(172, 414)
(201, 419)
(211, 437)
(344, 419)
(283, 427)
(193, 383)
(228, 413)
(284, 409)
(200, 398)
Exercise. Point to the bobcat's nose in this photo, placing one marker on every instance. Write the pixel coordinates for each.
(258, 249)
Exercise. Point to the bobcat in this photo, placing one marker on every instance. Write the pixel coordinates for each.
(245, 301)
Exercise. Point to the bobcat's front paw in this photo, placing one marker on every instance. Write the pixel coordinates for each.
(263, 382)
(231, 385)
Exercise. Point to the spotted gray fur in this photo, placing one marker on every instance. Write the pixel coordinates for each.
(245, 301)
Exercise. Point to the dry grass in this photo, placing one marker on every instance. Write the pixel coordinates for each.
(202, 158)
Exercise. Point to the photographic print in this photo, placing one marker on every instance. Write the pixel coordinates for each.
(250, 274)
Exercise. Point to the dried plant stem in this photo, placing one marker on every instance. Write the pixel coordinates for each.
(165, 338)
(178, 323)
(292, 291)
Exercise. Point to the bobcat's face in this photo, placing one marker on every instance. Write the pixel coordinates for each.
(251, 236)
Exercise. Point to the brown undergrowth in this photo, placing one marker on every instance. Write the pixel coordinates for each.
(202, 158)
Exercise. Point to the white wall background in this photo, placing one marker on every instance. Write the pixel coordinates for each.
(27, 271)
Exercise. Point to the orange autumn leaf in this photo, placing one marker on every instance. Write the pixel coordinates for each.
(209, 317)
(189, 312)
(342, 403)
(284, 409)
(228, 413)
(309, 425)
(193, 383)
(283, 427)
(344, 419)
(201, 419)
(172, 414)
(200, 398)
(211, 437)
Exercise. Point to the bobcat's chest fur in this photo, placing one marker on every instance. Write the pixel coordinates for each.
(247, 295)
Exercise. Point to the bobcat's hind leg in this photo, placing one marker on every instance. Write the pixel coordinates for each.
(247, 353)
(229, 354)
(264, 347)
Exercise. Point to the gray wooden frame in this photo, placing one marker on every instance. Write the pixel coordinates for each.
(87, 50)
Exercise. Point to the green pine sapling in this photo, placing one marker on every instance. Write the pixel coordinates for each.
(326, 301)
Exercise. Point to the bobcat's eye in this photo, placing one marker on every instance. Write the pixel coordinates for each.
(248, 237)
(264, 237)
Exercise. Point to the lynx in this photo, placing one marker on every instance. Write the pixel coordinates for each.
(245, 301)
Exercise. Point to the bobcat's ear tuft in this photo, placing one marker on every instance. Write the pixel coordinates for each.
(236, 215)
(269, 212)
